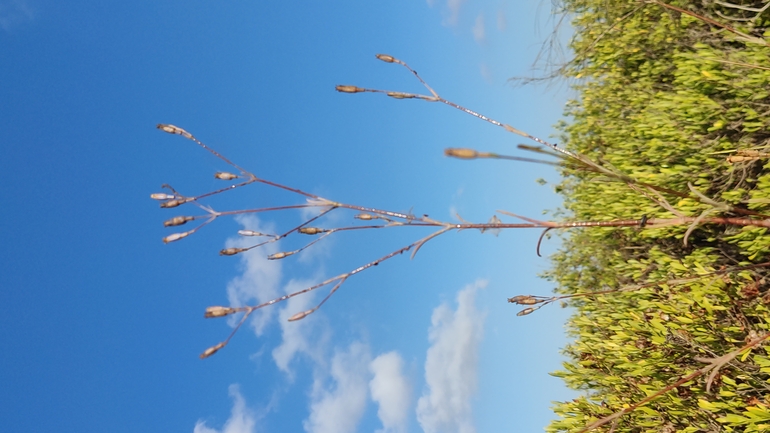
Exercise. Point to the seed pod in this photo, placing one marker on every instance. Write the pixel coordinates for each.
(525, 311)
(301, 315)
(311, 230)
(231, 251)
(177, 221)
(212, 350)
(171, 129)
(176, 237)
(364, 216)
(349, 89)
(461, 153)
(749, 152)
(524, 300)
(400, 95)
(218, 311)
(225, 175)
(161, 196)
(278, 256)
(173, 203)
(386, 58)
(738, 158)
(251, 233)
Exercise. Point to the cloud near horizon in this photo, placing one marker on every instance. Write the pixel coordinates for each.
(479, 30)
(307, 336)
(242, 420)
(391, 390)
(339, 409)
(451, 13)
(451, 365)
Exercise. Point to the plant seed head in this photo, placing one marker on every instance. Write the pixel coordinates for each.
(461, 153)
(349, 89)
(525, 311)
(218, 311)
(231, 251)
(386, 58)
(250, 233)
(212, 350)
(364, 216)
(177, 221)
(278, 256)
(400, 95)
(161, 196)
(176, 237)
(524, 300)
(171, 129)
(300, 316)
(311, 230)
(225, 175)
(173, 203)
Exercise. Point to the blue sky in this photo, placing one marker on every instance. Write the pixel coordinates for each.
(104, 323)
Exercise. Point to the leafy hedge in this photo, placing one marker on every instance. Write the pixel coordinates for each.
(666, 97)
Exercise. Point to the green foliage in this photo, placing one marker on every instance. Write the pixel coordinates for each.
(665, 97)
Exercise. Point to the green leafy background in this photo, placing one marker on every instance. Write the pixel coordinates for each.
(665, 98)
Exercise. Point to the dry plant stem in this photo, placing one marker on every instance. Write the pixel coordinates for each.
(581, 159)
(532, 299)
(714, 365)
(253, 178)
(405, 219)
(741, 35)
(747, 65)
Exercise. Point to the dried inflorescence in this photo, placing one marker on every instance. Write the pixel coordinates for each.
(379, 218)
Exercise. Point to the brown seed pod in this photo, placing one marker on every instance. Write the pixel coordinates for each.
(212, 350)
(349, 89)
(223, 175)
(386, 58)
(173, 203)
(278, 256)
(525, 311)
(171, 129)
(176, 237)
(251, 233)
(461, 153)
(300, 316)
(218, 311)
(311, 230)
(400, 95)
(231, 251)
(161, 196)
(177, 221)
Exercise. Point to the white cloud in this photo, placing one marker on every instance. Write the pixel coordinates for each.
(485, 72)
(451, 365)
(13, 13)
(453, 7)
(451, 12)
(259, 278)
(306, 336)
(340, 409)
(502, 22)
(479, 30)
(242, 420)
(391, 390)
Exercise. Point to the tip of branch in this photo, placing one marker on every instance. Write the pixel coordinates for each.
(349, 89)
(386, 58)
(212, 350)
